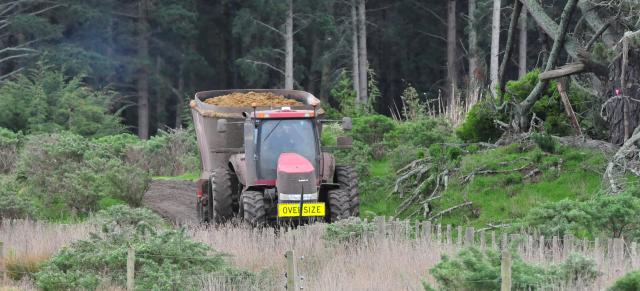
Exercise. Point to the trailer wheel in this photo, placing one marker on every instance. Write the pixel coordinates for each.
(339, 204)
(253, 209)
(220, 197)
(347, 178)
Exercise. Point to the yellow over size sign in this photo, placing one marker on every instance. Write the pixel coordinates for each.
(308, 209)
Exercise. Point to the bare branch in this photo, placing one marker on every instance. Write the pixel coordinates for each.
(269, 27)
(264, 64)
(433, 35)
(14, 57)
(10, 74)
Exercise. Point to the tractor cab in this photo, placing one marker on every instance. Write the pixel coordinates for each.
(283, 131)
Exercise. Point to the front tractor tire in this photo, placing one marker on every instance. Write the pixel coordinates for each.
(218, 206)
(347, 178)
(253, 208)
(339, 204)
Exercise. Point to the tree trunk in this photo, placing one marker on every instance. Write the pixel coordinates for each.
(495, 46)
(288, 38)
(363, 68)
(596, 23)
(143, 70)
(473, 43)
(550, 27)
(522, 46)
(179, 97)
(517, 7)
(451, 52)
(523, 108)
(355, 72)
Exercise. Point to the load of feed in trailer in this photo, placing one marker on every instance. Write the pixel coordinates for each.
(260, 99)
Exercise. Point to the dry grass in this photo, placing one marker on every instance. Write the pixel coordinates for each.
(29, 243)
(383, 264)
(391, 262)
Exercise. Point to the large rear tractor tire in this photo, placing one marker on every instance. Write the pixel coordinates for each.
(253, 208)
(219, 205)
(339, 205)
(347, 178)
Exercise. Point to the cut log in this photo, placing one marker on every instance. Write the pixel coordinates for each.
(568, 109)
(450, 209)
(566, 70)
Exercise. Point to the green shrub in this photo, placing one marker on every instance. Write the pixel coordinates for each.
(348, 230)
(371, 129)
(479, 125)
(402, 156)
(9, 144)
(68, 168)
(629, 282)
(545, 142)
(419, 133)
(556, 218)
(11, 204)
(164, 261)
(169, 153)
(437, 151)
(123, 216)
(549, 107)
(605, 215)
(330, 134)
(473, 269)
(345, 96)
(44, 100)
(453, 153)
(578, 269)
(358, 156)
(117, 143)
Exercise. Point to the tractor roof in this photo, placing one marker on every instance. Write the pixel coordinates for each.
(285, 112)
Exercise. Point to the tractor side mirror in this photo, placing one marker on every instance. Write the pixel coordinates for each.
(221, 125)
(345, 142)
(346, 123)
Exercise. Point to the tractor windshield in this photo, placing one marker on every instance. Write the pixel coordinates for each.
(276, 136)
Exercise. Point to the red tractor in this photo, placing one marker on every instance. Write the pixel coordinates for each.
(266, 165)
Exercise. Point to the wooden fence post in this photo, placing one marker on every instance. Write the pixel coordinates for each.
(555, 248)
(426, 231)
(634, 254)
(380, 225)
(131, 260)
(468, 238)
(618, 250)
(4, 264)
(494, 244)
(505, 273)
(292, 273)
(449, 241)
(541, 248)
(505, 241)
(459, 238)
(439, 230)
(483, 243)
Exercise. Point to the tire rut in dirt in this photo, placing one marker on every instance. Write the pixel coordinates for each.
(174, 200)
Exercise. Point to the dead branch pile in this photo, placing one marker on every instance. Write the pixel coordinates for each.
(626, 160)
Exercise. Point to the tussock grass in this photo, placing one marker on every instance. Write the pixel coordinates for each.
(27, 244)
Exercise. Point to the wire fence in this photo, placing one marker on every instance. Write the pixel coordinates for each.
(613, 256)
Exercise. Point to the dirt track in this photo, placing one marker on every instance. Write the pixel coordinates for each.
(174, 200)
